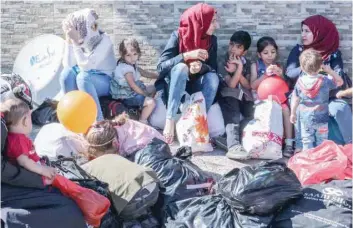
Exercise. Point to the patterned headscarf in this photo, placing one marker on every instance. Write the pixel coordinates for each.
(83, 20)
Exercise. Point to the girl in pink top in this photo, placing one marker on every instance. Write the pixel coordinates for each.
(122, 136)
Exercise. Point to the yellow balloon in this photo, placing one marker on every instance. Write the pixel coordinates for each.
(77, 111)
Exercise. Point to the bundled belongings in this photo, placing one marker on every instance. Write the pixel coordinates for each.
(246, 197)
(260, 189)
(45, 113)
(111, 108)
(322, 205)
(68, 168)
(54, 140)
(192, 127)
(180, 179)
(263, 136)
(92, 204)
(325, 162)
(211, 211)
(134, 189)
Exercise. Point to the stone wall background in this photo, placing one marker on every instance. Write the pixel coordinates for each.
(152, 22)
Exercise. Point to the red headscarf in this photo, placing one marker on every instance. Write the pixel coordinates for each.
(194, 23)
(326, 39)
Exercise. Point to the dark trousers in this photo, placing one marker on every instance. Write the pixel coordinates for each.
(232, 108)
(38, 208)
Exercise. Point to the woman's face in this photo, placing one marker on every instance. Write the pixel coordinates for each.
(307, 35)
(213, 26)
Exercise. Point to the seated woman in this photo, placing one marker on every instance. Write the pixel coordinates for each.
(321, 34)
(189, 62)
(89, 59)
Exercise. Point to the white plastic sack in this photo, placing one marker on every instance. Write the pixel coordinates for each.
(53, 140)
(192, 127)
(215, 121)
(158, 116)
(262, 137)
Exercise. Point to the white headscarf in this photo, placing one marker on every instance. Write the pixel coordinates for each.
(83, 21)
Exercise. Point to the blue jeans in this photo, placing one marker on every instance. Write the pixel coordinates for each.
(92, 82)
(207, 84)
(342, 113)
(313, 134)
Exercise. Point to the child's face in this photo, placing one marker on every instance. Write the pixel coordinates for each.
(131, 56)
(236, 49)
(307, 35)
(268, 55)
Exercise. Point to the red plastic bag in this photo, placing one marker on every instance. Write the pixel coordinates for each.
(325, 162)
(347, 149)
(92, 204)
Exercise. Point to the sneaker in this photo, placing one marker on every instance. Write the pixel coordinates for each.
(220, 142)
(237, 152)
(288, 151)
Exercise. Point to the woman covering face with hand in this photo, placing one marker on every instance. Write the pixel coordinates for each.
(189, 62)
(89, 59)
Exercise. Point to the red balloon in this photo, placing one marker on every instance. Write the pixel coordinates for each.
(274, 86)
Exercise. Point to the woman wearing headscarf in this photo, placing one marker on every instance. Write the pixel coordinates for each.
(321, 34)
(89, 59)
(189, 62)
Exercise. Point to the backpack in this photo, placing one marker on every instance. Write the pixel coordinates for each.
(45, 113)
(111, 108)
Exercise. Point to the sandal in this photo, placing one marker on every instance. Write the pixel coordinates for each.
(169, 137)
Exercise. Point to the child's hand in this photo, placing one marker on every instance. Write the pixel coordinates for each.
(274, 69)
(48, 172)
(235, 60)
(195, 67)
(230, 67)
(48, 181)
(293, 118)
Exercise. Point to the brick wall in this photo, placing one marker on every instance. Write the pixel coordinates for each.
(152, 22)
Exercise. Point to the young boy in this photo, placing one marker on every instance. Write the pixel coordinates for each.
(234, 95)
(19, 148)
(310, 99)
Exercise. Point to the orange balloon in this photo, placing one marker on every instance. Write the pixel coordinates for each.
(77, 111)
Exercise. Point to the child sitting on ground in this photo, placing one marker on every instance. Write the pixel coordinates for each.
(310, 99)
(234, 96)
(19, 148)
(126, 84)
(121, 135)
(266, 66)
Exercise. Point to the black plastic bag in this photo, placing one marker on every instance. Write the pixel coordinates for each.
(211, 211)
(261, 189)
(45, 113)
(322, 205)
(178, 176)
(112, 108)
